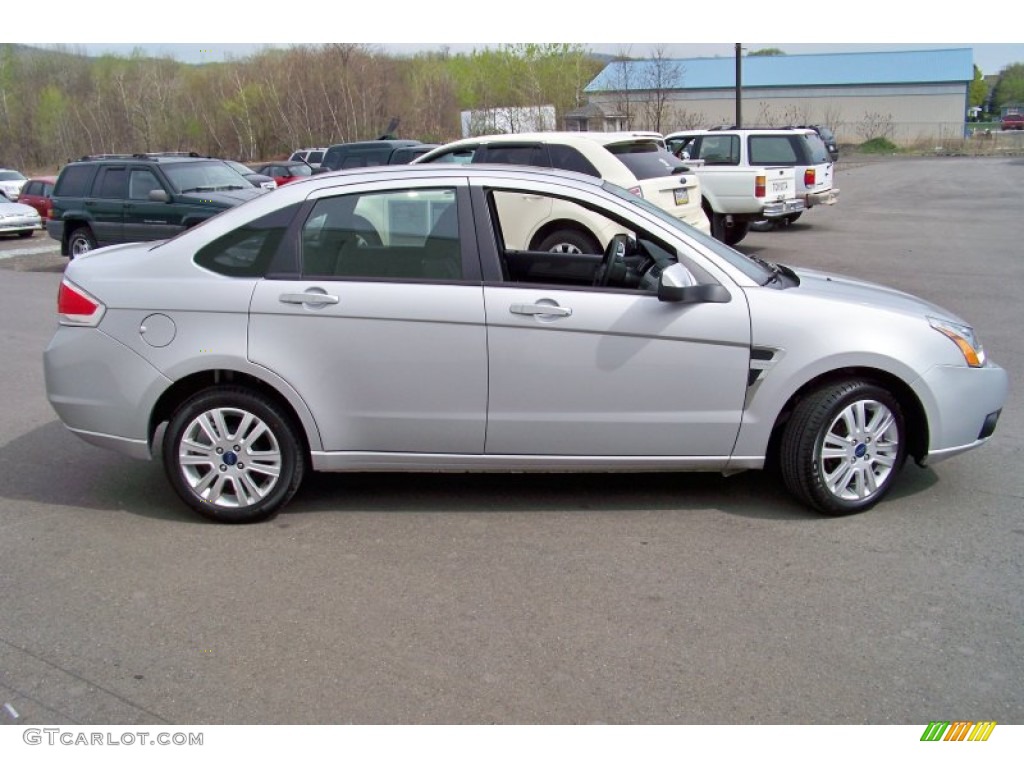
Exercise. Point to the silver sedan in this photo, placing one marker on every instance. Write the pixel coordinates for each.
(376, 319)
(18, 219)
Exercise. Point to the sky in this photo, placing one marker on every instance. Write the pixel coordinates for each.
(409, 27)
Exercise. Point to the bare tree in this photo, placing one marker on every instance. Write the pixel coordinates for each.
(660, 77)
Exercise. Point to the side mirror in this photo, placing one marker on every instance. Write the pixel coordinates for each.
(159, 196)
(678, 285)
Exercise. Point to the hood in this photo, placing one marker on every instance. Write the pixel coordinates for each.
(223, 198)
(861, 292)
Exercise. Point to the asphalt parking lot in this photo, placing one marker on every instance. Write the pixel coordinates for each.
(651, 598)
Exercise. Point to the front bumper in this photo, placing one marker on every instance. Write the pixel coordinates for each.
(10, 224)
(963, 405)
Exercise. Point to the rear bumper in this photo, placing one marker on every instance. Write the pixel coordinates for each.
(783, 208)
(828, 197)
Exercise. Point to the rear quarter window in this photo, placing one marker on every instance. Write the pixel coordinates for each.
(248, 250)
(647, 160)
(773, 150)
(75, 181)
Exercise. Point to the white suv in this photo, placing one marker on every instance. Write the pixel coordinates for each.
(637, 161)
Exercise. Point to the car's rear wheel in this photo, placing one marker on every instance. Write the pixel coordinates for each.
(27, 233)
(80, 241)
(569, 241)
(233, 455)
(730, 234)
(843, 447)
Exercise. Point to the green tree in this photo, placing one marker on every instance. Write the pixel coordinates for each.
(1010, 88)
(978, 91)
(767, 52)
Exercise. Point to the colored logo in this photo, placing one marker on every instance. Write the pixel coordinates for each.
(959, 730)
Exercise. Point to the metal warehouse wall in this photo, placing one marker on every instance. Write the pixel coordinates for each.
(903, 114)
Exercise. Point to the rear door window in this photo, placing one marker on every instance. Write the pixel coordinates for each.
(112, 184)
(773, 150)
(513, 155)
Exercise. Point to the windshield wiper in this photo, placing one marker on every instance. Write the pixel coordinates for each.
(198, 189)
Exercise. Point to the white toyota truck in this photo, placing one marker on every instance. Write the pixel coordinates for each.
(751, 175)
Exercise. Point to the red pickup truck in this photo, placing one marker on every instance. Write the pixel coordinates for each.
(1013, 122)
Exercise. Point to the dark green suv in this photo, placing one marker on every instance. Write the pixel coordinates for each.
(108, 199)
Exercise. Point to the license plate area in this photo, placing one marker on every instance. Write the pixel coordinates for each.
(681, 195)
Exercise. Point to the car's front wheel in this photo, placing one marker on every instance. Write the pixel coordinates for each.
(843, 447)
(233, 455)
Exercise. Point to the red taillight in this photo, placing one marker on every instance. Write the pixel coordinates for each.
(76, 307)
(759, 186)
(809, 177)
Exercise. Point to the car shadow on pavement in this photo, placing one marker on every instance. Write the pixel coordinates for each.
(50, 466)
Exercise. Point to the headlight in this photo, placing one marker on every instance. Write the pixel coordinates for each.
(963, 336)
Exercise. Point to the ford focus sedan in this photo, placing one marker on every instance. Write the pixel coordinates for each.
(378, 319)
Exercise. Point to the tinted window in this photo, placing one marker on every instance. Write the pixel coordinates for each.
(75, 180)
(817, 149)
(512, 155)
(248, 250)
(646, 160)
(47, 189)
(113, 183)
(462, 156)
(570, 159)
(10, 176)
(314, 157)
(384, 235)
(773, 150)
(32, 188)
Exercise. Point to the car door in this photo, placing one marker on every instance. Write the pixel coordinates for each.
(106, 204)
(382, 331)
(145, 218)
(579, 370)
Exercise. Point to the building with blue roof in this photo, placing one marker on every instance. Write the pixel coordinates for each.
(905, 96)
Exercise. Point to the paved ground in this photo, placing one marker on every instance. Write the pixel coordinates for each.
(538, 599)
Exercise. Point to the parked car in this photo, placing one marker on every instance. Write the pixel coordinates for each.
(359, 154)
(38, 192)
(11, 182)
(285, 170)
(18, 219)
(1012, 122)
(738, 165)
(253, 345)
(107, 199)
(312, 156)
(637, 161)
(257, 179)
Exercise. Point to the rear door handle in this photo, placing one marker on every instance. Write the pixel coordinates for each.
(551, 310)
(315, 299)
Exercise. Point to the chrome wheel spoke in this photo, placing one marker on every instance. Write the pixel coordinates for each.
(859, 451)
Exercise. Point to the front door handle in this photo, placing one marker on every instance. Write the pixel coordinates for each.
(315, 299)
(552, 310)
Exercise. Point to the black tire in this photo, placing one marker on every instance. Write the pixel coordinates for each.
(28, 233)
(790, 218)
(80, 241)
(762, 225)
(863, 425)
(569, 241)
(226, 479)
(730, 235)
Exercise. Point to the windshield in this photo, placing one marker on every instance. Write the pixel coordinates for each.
(755, 271)
(10, 176)
(204, 176)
